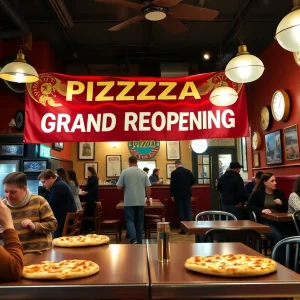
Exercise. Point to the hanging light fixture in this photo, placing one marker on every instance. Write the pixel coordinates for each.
(244, 67)
(223, 95)
(19, 71)
(288, 30)
(199, 146)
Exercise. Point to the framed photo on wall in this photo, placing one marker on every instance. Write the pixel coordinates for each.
(173, 150)
(92, 164)
(113, 165)
(291, 143)
(170, 168)
(273, 148)
(86, 150)
(244, 154)
(256, 161)
(58, 146)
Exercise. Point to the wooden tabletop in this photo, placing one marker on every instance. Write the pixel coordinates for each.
(200, 227)
(123, 274)
(155, 204)
(172, 281)
(278, 217)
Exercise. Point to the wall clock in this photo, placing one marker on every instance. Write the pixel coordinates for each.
(256, 141)
(265, 118)
(19, 119)
(297, 57)
(280, 105)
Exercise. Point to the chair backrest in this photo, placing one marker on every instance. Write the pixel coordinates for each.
(79, 221)
(296, 220)
(252, 216)
(249, 237)
(215, 215)
(70, 226)
(291, 262)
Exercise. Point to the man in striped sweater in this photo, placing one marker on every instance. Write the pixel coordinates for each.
(32, 216)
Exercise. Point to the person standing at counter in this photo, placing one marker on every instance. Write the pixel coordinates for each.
(154, 178)
(61, 199)
(146, 170)
(181, 183)
(74, 186)
(136, 185)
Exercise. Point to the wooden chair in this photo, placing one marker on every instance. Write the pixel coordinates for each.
(158, 216)
(108, 227)
(72, 226)
(91, 218)
(151, 222)
(194, 206)
(248, 237)
(264, 239)
(215, 215)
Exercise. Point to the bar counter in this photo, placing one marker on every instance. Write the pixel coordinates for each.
(110, 197)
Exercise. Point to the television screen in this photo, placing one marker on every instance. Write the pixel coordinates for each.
(34, 165)
(12, 150)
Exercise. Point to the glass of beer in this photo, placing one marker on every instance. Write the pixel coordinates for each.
(163, 241)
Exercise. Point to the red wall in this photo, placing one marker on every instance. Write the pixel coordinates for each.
(281, 73)
(43, 60)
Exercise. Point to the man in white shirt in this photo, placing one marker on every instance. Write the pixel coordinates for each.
(136, 185)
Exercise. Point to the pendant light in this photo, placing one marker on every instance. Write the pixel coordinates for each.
(288, 30)
(199, 146)
(223, 95)
(244, 67)
(19, 71)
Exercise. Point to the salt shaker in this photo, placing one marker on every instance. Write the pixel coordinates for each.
(163, 241)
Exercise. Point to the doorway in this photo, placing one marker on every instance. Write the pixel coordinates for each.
(209, 166)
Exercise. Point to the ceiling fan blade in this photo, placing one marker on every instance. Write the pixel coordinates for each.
(123, 3)
(190, 12)
(172, 25)
(166, 3)
(127, 23)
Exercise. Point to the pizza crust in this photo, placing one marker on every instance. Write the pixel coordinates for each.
(65, 269)
(231, 265)
(81, 240)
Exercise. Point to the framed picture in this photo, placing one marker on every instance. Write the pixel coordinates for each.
(113, 165)
(244, 154)
(256, 161)
(173, 150)
(12, 150)
(86, 150)
(273, 148)
(170, 168)
(58, 146)
(86, 165)
(291, 145)
(34, 166)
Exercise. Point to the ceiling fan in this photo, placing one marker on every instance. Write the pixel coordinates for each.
(166, 12)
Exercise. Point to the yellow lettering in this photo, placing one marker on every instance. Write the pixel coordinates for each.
(72, 91)
(90, 91)
(165, 93)
(102, 95)
(185, 91)
(144, 93)
(128, 86)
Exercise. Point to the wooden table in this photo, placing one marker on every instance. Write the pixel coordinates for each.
(123, 275)
(155, 204)
(278, 217)
(172, 281)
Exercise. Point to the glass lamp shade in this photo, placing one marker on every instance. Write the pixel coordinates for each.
(223, 96)
(288, 32)
(244, 67)
(199, 146)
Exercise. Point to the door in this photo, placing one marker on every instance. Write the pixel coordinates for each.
(209, 166)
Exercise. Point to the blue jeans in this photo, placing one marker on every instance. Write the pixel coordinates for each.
(184, 208)
(134, 216)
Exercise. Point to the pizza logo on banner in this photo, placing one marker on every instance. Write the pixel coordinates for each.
(46, 89)
(143, 149)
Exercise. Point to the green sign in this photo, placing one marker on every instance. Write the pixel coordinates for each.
(143, 149)
(45, 151)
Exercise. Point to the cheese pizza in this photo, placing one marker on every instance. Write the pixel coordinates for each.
(81, 240)
(231, 265)
(65, 269)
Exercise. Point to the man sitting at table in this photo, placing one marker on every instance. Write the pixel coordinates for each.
(32, 215)
(137, 185)
(11, 255)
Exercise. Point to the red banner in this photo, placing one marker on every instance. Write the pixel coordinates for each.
(92, 108)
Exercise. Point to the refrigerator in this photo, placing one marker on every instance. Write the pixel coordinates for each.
(6, 167)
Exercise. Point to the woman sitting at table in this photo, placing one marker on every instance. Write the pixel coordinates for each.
(294, 198)
(266, 199)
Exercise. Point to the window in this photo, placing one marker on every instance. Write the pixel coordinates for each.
(203, 162)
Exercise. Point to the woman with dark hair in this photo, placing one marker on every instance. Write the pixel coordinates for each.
(61, 173)
(74, 186)
(91, 192)
(294, 198)
(266, 199)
